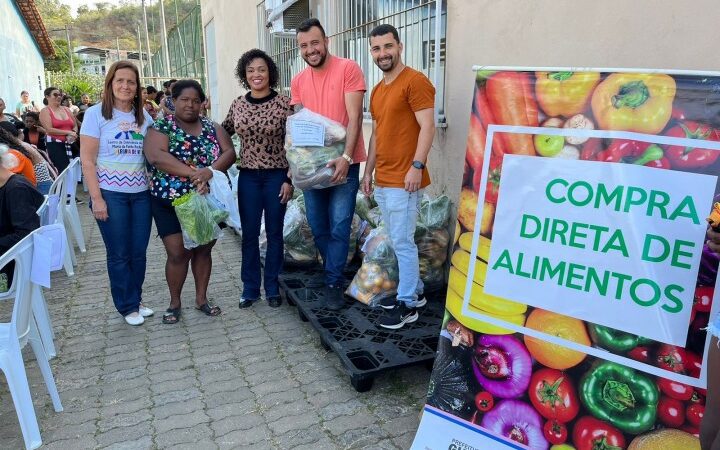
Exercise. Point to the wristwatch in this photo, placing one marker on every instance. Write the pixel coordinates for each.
(347, 158)
(418, 165)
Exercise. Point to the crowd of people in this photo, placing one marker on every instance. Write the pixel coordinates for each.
(142, 148)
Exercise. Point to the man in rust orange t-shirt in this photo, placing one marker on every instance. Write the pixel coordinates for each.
(402, 107)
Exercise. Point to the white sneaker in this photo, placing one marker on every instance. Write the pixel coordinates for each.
(134, 319)
(145, 312)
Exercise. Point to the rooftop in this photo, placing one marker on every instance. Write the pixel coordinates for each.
(35, 24)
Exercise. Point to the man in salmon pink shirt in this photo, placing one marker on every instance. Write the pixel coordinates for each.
(333, 87)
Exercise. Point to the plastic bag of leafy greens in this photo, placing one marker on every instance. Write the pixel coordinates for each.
(435, 213)
(377, 278)
(432, 244)
(198, 219)
(363, 206)
(300, 247)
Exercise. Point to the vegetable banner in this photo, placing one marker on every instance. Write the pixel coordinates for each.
(580, 285)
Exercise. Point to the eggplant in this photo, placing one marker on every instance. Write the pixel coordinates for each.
(450, 386)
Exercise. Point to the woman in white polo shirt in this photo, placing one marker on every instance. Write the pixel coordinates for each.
(111, 144)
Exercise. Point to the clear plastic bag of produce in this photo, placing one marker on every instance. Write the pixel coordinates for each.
(377, 278)
(300, 247)
(363, 207)
(308, 164)
(435, 213)
(199, 219)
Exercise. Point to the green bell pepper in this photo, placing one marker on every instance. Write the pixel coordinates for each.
(614, 340)
(620, 395)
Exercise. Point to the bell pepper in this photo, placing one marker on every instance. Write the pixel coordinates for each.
(639, 102)
(629, 151)
(702, 300)
(512, 102)
(690, 157)
(564, 93)
(614, 340)
(620, 395)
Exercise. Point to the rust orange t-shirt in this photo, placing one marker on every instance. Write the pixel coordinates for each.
(323, 92)
(393, 107)
(24, 167)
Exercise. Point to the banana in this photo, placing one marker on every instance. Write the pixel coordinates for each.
(461, 261)
(483, 251)
(454, 306)
(491, 304)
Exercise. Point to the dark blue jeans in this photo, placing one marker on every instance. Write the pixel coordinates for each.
(330, 212)
(126, 233)
(258, 191)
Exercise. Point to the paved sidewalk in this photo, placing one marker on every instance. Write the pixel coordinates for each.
(255, 378)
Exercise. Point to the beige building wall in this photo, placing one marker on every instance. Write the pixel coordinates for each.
(660, 34)
(235, 32)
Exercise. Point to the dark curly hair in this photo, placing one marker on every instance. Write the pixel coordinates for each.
(247, 58)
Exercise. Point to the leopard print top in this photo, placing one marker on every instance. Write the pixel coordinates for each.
(260, 124)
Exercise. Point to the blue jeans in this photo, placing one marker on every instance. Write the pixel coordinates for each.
(258, 191)
(330, 212)
(44, 187)
(399, 210)
(126, 233)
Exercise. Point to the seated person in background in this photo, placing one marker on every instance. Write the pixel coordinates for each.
(68, 103)
(28, 161)
(19, 202)
(34, 133)
(7, 116)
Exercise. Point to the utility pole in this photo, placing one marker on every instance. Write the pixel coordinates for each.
(117, 47)
(140, 53)
(70, 51)
(147, 38)
(166, 52)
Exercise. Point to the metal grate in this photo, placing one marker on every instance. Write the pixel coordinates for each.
(348, 23)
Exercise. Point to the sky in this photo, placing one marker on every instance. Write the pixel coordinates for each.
(75, 3)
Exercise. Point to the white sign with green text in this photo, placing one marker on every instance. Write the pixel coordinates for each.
(614, 244)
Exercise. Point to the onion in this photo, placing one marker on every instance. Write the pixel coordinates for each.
(502, 365)
(518, 421)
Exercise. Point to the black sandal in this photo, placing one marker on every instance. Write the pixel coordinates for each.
(211, 311)
(172, 316)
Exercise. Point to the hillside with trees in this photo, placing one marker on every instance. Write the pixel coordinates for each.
(99, 25)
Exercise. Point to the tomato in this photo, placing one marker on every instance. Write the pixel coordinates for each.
(693, 364)
(671, 412)
(673, 389)
(593, 434)
(702, 301)
(695, 413)
(641, 354)
(555, 432)
(492, 187)
(697, 397)
(484, 401)
(670, 357)
(553, 395)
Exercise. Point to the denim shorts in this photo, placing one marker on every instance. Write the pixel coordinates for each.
(163, 213)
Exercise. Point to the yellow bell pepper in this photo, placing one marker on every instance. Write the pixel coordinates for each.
(639, 102)
(564, 93)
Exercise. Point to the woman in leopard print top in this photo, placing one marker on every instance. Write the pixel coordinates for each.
(263, 186)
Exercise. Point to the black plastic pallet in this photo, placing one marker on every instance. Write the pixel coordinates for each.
(364, 348)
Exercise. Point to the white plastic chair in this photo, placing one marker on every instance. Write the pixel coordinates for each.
(71, 210)
(14, 335)
(59, 190)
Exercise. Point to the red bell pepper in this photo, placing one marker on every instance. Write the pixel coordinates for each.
(630, 151)
(512, 102)
(691, 157)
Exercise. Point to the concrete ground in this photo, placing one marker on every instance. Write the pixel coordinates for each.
(254, 378)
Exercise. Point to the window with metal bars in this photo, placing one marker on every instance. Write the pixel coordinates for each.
(348, 24)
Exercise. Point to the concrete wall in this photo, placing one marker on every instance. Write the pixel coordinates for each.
(22, 64)
(666, 34)
(235, 32)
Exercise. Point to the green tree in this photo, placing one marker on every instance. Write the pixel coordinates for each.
(61, 62)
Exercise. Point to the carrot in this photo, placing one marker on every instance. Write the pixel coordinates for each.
(511, 101)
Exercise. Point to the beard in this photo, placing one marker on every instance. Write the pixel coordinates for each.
(323, 57)
(384, 66)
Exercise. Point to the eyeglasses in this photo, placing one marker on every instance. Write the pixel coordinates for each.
(56, 94)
